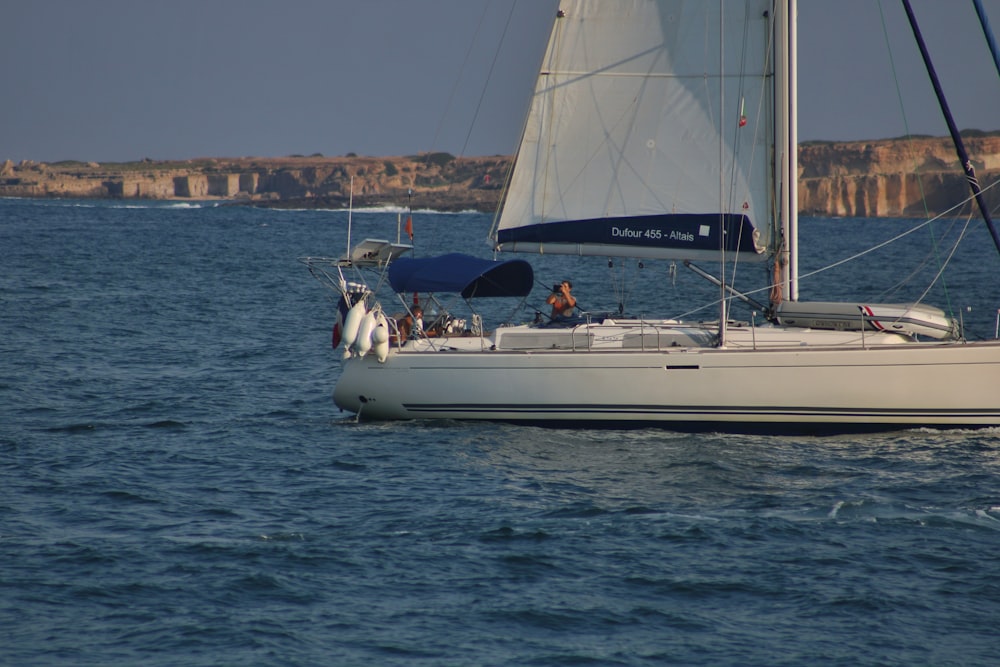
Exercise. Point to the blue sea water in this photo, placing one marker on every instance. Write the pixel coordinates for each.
(176, 487)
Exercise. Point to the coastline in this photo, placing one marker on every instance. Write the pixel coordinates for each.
(881, 178)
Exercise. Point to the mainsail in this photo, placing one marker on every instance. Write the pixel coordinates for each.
(649, 133)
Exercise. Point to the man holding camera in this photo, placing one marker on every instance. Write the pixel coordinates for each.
(562, 301)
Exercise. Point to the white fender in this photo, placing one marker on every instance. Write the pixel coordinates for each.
(380, 338)
(352, 323)
(364, 340)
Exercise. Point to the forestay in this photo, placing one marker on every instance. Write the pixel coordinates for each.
(648, 133)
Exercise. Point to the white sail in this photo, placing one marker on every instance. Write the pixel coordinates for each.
(634, 146)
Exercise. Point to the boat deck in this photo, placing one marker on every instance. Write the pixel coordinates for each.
(646, 336)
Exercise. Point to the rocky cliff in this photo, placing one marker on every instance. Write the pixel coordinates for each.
(435, 180)
(870, 178)
(893, 177)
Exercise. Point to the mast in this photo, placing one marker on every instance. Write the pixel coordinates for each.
(786, 144)
(793, 151)
(723, 298)
(350, 211)
(956, 137)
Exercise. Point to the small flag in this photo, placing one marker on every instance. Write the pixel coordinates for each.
(338, 324)
(409, 227)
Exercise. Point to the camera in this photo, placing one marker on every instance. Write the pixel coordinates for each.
(557, 288)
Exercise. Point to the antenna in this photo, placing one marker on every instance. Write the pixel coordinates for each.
(350, 210)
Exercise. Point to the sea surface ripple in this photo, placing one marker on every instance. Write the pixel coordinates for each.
(178, 489)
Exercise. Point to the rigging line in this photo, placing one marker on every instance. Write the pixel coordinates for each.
(933, 254)
(769, 32)
(489, 76)
(899, 97)
(622, 287)
(906, 127)
(724, 303)
(549, 96)
(458, 79)
(621, 158)
(741, 91)
(515, 156)
(626, 118)
(627, 286)
(856, 256)
(776, 238)
(596, 74)
(614, 280)
(619, 285)
(944, 265)
(606, 145)
(988, 33)
(631, 287)
(963, 157)
(893, 239)
(492, 234)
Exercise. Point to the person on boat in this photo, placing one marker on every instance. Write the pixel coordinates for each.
(562, 301)
(412, 324)
(411, 327)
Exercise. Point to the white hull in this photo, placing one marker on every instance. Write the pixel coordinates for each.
(846, 386)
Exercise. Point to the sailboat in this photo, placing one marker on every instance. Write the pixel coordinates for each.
(658, 130)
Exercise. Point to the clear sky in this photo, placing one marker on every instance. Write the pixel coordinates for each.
(119, 80)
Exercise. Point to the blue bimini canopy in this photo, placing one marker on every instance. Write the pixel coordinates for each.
(464, 274)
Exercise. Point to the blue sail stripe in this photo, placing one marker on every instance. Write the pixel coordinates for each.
(694, 232)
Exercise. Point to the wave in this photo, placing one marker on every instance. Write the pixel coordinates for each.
(382, 210)
(172, 204)
(418, 211)
(156, 204)
(880, 511)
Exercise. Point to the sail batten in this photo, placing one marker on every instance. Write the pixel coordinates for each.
(624, 132)
(644, 75)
